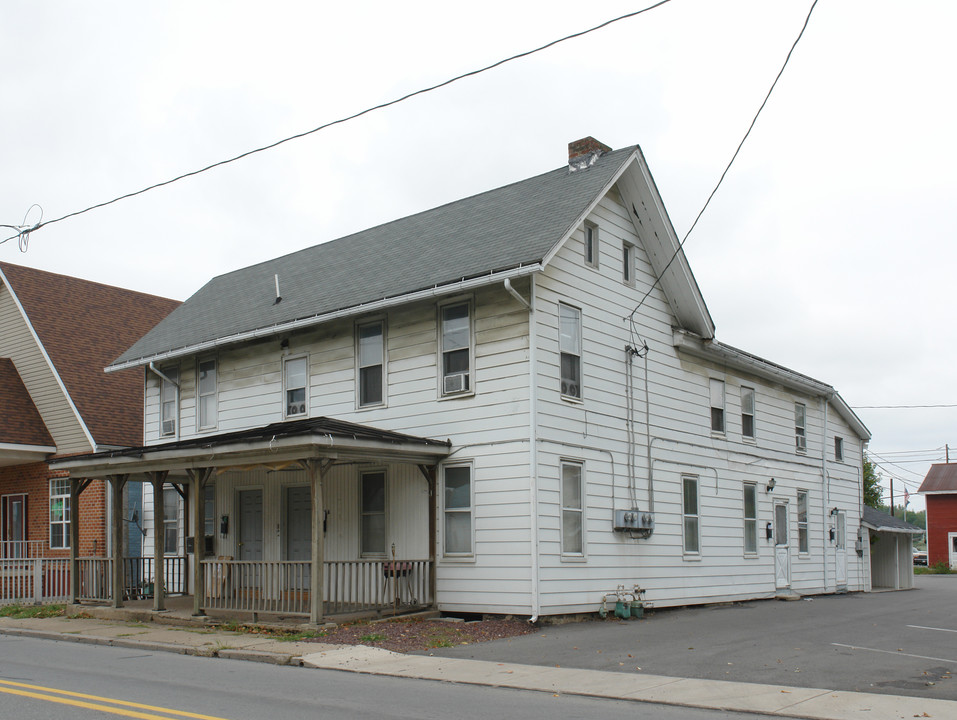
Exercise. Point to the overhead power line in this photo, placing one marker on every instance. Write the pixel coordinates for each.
(707, 202)
(901, 407)
(24, 232)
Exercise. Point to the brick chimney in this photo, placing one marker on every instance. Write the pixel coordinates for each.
(583, 153)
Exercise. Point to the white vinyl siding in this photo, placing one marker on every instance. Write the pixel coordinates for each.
(294, 386)
(570, 344)
(572, 519)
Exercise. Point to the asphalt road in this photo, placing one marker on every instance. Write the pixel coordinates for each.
(900, 643)
(47, 680)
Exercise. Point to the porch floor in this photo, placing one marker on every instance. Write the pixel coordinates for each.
(179, 611)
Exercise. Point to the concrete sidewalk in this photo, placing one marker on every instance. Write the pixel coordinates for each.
(778, 700)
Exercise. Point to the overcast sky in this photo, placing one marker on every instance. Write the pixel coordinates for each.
(828, 249)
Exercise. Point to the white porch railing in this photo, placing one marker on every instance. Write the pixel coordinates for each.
(139, 577)
(283, 587)
(34, 580)
(11, 549)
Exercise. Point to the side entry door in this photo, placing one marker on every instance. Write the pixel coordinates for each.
(782, 549)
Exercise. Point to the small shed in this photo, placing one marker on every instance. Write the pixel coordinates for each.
(891, 548)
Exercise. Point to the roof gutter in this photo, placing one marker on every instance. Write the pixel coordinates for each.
(378, 305)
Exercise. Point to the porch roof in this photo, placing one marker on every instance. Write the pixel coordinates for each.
(270, 445)
(882, 522)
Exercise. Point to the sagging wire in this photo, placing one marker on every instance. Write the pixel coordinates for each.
(23, 230)
(355, 115)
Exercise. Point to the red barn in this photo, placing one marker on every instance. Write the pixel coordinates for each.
(940, 491)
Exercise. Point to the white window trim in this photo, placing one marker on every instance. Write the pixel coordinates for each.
(595, 246)
(383, 402)
(582, 555)
(803, 525)
(440, 361)
(385, 511)
(720, 384)
(67, 513)
(753, 487)
(628, 264)
(455, 556)
(175, 378)
(200, 395)
(691, 554)
(285, 403)
(169, 521)
(800, 431)
(754, 428)
(581, 361)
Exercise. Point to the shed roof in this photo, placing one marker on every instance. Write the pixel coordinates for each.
(884, 522)
(82, 325)
(941, 478)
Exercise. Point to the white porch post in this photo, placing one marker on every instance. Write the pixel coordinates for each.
(74, 539)
(198, 479)
(159, 519)
(316, 471)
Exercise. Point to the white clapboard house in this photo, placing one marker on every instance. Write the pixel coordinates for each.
(513, 403)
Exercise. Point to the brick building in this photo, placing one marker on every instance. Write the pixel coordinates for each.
(57, 333)
(940, 491)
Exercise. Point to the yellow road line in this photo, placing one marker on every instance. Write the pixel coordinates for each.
(12, 690)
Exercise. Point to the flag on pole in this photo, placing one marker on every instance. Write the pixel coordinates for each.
(906, 497)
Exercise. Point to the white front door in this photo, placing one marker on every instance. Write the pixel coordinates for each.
(782, 552)
(840, 558)
(952, 546)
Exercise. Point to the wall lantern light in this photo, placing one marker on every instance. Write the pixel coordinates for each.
(770, 486)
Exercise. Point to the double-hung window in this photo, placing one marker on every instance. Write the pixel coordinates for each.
(802, 521)
(689, 512)
(170, 521)
(59, 513)
(456, 348)
(717, 405)
(294, 372)
(591, 245)
(747, 412)
(572, 499)
(370, 350)
(169, 399)
(570, 348)
(750, 518)
(208, 415)
(372, 523)
(457, 508)
(800, 427)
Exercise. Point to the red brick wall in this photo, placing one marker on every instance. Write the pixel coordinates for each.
(34, 480)
(941, 519)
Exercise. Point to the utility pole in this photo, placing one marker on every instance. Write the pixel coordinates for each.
(892, 495)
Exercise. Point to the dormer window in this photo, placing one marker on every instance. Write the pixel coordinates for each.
(294, 383)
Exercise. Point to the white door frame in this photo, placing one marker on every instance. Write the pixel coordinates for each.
(952, 549)
(782, 546)
(840, 550)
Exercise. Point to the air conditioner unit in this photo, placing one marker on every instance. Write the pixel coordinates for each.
(634, 519)
(169, 427)
(570, 389)
(459, 382)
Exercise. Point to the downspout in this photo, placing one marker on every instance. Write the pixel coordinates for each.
(826, 486)
(533, 436)
(651, 470)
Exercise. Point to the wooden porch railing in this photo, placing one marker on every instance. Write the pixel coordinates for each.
(11, 549)
(34, 580)
(96, 578)
(283, 587)
(138, 574)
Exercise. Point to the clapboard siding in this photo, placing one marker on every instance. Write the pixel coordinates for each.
(39, 379)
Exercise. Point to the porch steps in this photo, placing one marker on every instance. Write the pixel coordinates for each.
(787, 595)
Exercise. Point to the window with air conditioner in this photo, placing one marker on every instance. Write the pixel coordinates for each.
(294, 372)
(456, 346)
(800, 427)
(570, 349)
(169, 400)
(717, 405)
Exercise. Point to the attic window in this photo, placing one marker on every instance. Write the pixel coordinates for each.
(591, 245)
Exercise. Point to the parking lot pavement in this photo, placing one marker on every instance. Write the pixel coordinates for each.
(898, 643)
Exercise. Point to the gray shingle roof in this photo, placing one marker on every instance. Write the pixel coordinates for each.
(510, 227)
(880, 520)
